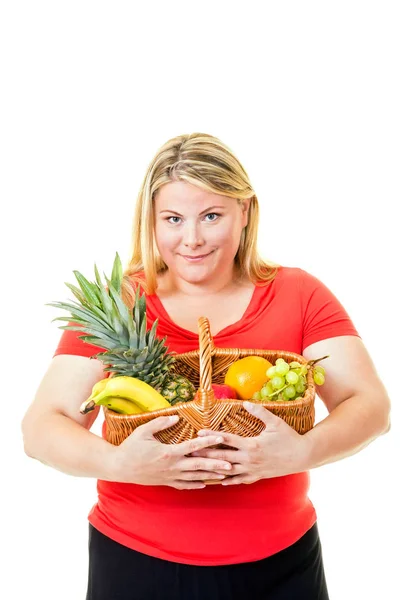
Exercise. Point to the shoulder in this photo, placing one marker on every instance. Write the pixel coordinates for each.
(297, 276)
(284, 275)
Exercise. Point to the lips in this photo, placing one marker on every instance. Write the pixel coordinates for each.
(196, 258)
(199, 256)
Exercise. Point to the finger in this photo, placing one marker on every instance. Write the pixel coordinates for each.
(230, 439)
(200, 475)
(196, 444)
(266, 416)
(187, 485)
(204, 464)
(235, 480)
(149, 429)
(231, 456)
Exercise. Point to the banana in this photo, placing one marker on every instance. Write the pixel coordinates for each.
(89, 404)
(135, 390)
(120, 405)
(98, 387)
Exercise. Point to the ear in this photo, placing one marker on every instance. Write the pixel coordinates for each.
(245, 205)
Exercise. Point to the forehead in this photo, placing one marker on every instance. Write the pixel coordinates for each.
(182, 194)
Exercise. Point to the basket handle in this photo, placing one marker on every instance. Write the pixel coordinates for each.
(205, 397)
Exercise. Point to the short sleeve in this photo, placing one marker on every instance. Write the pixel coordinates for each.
(70, 343)
(323, 315)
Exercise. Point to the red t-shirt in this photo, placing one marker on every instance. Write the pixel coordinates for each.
(220, 525)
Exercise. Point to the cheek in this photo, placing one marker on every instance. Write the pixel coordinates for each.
(227, 236)
(165, 238)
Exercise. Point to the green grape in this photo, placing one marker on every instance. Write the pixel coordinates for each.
(277, 382)
(292, 377)
(319, 378)
(294, 364)
(256, 396)
(282, 368)
(319, 370)
(264, 392)
(269, 388)
(271, 372)
(289, 392)
(279, 361)
(300, 387)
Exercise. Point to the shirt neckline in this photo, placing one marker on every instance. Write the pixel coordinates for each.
(188, 333)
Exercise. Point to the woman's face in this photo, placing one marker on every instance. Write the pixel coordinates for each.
(197, 232)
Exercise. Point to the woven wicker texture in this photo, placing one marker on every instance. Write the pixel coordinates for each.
(203, 367)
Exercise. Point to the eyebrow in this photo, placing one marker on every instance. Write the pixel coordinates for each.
(210, 209)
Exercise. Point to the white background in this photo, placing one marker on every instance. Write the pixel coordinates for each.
(306, 94)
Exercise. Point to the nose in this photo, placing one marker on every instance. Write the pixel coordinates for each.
(192, 236)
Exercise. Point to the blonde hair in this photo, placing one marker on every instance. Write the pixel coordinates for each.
(206, 162)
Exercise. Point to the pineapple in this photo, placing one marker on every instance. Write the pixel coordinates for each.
(131, 350)
(178, 389)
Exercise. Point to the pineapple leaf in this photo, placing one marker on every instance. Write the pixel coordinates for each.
(105, 300)
(80, 312)
(140, 306)
(105, 340)
(98, 279)
(117, 274)
(88, 289)
(77, 292)
(152, 333)
(120, 304)
(118, 326)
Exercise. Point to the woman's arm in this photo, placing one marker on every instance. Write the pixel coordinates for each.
(355, 397)
(55, 432)
(359, 412)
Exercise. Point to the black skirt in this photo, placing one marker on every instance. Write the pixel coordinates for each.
(119, 573)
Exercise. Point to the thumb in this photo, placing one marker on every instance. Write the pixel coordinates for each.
(266, 416)
(147, 430)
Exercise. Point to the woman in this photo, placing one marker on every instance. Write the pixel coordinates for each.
(157, 531)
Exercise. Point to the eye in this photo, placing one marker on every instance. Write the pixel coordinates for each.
(216, 215)
(168, 219)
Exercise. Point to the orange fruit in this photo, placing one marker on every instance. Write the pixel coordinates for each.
(247, 375)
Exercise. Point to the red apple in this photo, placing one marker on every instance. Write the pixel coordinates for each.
(223, 391)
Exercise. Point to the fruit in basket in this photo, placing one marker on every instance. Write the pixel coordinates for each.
(247, 375)
(89, 404)
(178, 388)
(134, 390)
(288, 381)
(222, 391)
(120, 405)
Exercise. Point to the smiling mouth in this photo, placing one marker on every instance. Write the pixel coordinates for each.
(196, 258)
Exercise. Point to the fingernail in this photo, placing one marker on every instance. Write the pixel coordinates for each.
(174, 418)
(219, 440)
(228, 466)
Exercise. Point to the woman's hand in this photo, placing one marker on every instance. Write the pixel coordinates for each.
(142, 459)
(278, 450)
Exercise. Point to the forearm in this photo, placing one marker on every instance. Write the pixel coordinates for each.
(346, 430)
(63, 444)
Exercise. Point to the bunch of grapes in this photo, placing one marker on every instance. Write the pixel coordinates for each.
(288, 381)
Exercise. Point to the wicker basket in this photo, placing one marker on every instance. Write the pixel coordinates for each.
(208, 365)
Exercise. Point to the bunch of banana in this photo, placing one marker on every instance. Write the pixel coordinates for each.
(125, 395)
